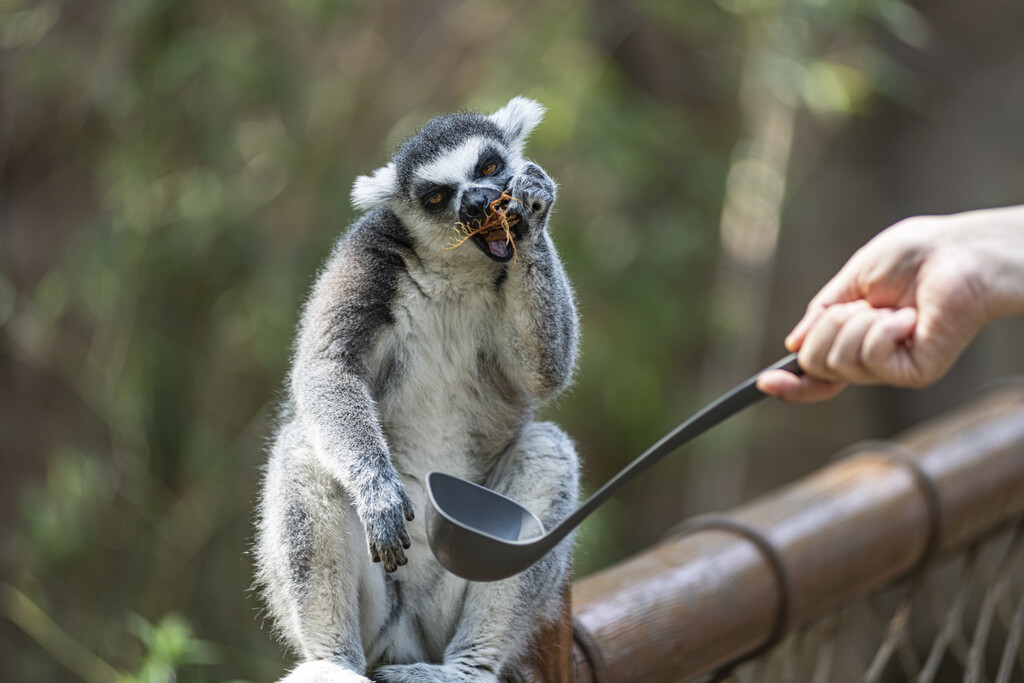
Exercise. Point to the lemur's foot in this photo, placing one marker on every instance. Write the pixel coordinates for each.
(323, 671)
(386, 535)
(433, 673)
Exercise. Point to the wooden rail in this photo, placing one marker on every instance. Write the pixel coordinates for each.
(721, 589)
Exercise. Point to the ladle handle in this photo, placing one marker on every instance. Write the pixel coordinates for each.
(722, 408)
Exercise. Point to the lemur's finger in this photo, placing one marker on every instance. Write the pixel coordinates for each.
(407, 508)
(395, 560)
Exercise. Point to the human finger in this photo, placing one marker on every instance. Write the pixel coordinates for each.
(793, 389)
(886, 354)
(841, 289)
(844, 357)
(814, 350)
(795, 339)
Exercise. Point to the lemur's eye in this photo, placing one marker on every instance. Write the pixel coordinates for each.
(489, 165)
(435, 198)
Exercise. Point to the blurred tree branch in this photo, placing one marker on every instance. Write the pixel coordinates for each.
(748, 241)
(62, 646)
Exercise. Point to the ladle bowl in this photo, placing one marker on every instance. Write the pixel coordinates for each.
(481, 535)
(501, 529)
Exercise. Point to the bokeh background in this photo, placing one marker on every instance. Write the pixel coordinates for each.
(172, 173)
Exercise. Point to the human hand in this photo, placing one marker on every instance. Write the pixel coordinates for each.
(905, 306)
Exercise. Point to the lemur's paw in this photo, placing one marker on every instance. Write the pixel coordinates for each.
(535, 192)
(433, 673)
(386, 535)
(323, 671)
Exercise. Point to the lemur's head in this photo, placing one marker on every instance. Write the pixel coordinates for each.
(452, 170)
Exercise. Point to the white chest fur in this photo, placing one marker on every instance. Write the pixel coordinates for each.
(447, 402)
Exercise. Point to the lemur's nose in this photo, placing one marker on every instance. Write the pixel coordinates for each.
(475, 202)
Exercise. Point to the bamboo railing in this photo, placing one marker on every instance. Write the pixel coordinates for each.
(722, 589)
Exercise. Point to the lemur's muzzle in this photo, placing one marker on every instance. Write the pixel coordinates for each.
(475, 202)
(487, 217)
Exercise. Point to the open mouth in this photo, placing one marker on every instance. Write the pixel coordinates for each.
(496, 234)
(499, 242)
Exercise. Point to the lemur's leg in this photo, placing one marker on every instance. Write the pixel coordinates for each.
(499, 619)
(311, 575)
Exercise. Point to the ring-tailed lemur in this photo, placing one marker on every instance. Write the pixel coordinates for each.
(411, 357)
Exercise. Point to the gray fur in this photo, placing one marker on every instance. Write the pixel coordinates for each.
(411, 358)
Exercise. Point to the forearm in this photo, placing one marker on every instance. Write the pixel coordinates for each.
(338, 415)
(542, 320)
(336, 411)
(998, 237)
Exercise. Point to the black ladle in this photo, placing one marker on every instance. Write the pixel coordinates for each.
(481, 535)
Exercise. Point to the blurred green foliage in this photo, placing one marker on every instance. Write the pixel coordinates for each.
(173, 173)
(170, 645)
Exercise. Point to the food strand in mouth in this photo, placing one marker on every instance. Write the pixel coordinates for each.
(496, 219)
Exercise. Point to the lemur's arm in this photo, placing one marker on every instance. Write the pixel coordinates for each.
(540, 301)
(346, 311)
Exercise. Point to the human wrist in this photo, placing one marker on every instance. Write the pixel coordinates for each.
(1000, 247)
(1005, 278)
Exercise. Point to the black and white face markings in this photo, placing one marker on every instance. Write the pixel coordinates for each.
(451, 171)
(442, 186)
(459, 187)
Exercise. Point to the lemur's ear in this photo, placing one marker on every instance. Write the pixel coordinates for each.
(370, 191)
(518, 118)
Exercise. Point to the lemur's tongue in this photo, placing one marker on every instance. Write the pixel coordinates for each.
(499, 248)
